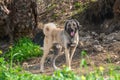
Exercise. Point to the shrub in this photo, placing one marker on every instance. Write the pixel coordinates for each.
(23, 49)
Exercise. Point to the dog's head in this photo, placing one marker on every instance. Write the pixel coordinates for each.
(72, 26)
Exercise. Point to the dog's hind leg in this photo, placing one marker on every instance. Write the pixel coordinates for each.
(46, 50)
(43, 61)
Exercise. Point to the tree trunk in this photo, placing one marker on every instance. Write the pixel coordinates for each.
(23, 17)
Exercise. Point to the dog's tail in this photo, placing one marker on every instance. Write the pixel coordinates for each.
(48, 28)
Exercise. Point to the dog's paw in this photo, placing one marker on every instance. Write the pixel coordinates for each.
(56, 68)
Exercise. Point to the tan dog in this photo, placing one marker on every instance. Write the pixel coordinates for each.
(68, 38)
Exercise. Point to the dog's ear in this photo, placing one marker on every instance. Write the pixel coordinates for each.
(78, 24)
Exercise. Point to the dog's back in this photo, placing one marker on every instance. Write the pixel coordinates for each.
(52, 32)
(48, 28)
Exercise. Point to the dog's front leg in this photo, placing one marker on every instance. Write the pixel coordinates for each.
(67, 55)
(72, 52)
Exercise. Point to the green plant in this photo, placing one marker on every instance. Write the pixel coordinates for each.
(78, 4)
(81, 6)
(65, 74)
(10, 72)
(83, 60)
(99, 74)
(55, 15)
(22, 50)
(17, 73)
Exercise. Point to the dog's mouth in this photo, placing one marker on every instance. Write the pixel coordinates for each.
(72, 33)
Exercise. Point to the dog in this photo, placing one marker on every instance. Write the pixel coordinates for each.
(68, 38)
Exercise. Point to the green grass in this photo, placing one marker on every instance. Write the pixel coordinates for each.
(22, 50)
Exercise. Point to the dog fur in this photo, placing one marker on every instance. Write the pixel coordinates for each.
(68, 38)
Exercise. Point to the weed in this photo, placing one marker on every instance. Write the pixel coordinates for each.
(65, 74)
(83, 61)
(22, 50)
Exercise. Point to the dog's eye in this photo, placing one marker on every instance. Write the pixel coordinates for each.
(73, 24)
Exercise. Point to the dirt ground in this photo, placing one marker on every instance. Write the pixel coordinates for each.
(101, 51)
(94, 60)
